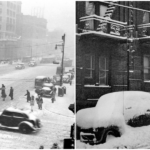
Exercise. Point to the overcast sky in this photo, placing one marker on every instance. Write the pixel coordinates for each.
(60, 14)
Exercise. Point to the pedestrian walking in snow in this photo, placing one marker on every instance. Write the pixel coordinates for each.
(32, 102)
(28, 96)
(41, 147)
(37, 101)
(11, 93)
(53, 93)
(55, 146)
(40, 102)
(3, 92)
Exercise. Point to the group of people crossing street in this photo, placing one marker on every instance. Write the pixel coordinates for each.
(3, 92)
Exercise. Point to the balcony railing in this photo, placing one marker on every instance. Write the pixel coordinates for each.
(101, 24)
(113, 27)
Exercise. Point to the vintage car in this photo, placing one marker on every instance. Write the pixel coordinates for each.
(66, 78)
(56, 79)
(55, 62)
(112, 113)
(47, 90)
(20, 66)
(40, 80)
(32, 64)
(26, 122)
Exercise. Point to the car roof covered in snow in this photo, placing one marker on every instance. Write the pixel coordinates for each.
(114, 109)
(47, 84)
(11, 109)
(46, 88)
(40, 77)
(20, 64)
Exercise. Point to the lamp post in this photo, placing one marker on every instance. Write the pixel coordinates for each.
(62, 62)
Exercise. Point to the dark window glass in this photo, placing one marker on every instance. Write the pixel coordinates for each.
(7, 113)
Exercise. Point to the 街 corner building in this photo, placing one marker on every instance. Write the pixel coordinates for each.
(112, 49)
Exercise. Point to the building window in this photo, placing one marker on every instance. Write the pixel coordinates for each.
(146, 17)
(103, 71)
(103, 10)
(146, 68)
(89, 65)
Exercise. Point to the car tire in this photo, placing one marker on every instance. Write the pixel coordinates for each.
(113, 132)
(24, 128)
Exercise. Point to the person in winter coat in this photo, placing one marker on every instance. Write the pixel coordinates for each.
(55, 146)
(28, 96)
(3, 92)
(53, 93)
(11, 93)
(40, 101)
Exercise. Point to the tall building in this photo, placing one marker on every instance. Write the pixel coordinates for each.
(9, 12)
(34, 39)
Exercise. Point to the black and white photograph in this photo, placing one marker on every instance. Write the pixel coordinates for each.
(37, 74)
(112, 74)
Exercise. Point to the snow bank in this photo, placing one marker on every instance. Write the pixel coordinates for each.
(113, 109)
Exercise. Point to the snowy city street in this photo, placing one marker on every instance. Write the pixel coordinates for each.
(55, 117)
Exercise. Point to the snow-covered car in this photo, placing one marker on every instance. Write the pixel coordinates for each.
(66, 78)
(46, 91)
(32, 64)
(26, 122)
(20, 66)
(56, 79)
(112, 113)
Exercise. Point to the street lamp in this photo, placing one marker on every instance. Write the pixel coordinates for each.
(62, 62)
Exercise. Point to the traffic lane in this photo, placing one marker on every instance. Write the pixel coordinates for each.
(7, 68)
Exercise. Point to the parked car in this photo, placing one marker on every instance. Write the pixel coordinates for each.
(56, 79)
(19, 119)
(40, 80)
(20, 66)
(55, 62)
(47, 90)
(66, 78)
(32, 64)
(111, 114)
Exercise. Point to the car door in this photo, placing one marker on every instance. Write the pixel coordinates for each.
(18, 118)
(6, 118)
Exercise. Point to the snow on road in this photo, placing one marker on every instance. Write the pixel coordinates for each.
(55, 117)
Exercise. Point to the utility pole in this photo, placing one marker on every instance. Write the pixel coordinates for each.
(62, 62)
(130, 45)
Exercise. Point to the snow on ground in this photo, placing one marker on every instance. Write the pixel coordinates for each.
(114, 109)
(132, 139)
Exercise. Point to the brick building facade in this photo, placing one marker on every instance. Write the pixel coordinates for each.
(112, 49)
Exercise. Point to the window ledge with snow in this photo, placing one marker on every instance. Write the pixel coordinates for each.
(103, 86)
(148, 81)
